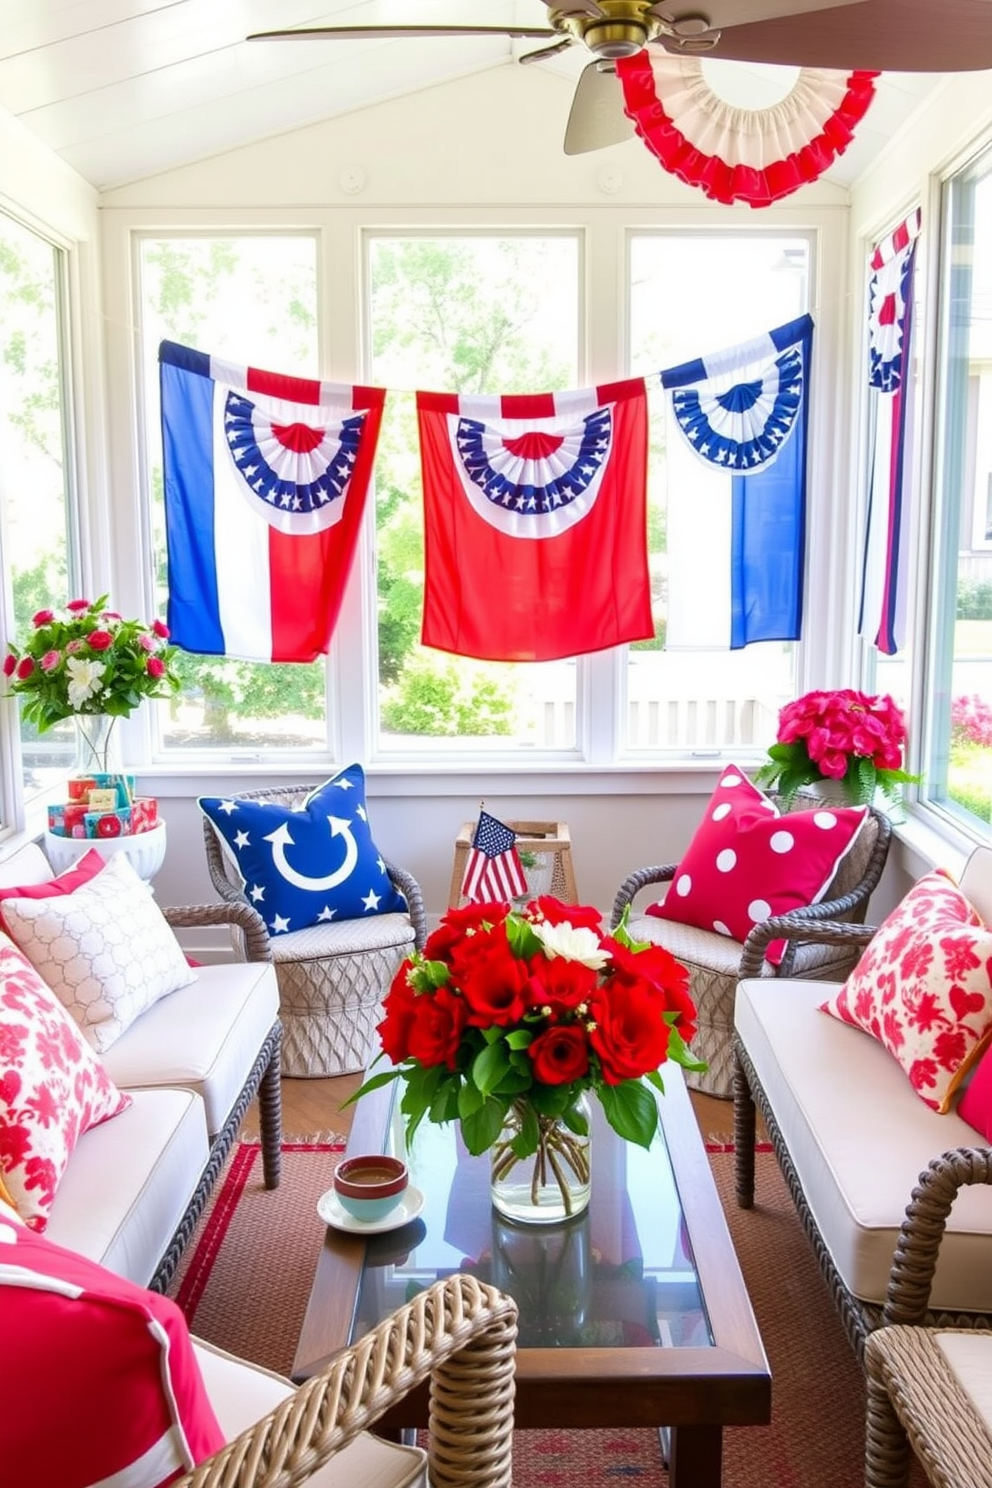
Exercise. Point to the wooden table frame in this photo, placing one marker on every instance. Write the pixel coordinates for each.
(695, 1392)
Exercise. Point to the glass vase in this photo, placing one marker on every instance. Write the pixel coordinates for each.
(98, 749)
(554, 1182)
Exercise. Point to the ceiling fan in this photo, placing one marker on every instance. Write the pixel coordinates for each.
(878, 35)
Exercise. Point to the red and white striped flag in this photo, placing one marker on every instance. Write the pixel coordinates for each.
(494, 871)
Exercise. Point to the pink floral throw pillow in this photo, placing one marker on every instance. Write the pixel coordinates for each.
(747, 862)
(52, 1087)
(923, 988)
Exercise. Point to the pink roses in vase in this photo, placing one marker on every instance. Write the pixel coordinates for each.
(846, 736)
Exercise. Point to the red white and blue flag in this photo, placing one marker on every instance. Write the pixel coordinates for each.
(737, 492)
(882, 617)
(535, 519)
(493, 873)
(265, 484)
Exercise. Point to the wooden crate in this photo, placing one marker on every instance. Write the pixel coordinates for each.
(549, 842)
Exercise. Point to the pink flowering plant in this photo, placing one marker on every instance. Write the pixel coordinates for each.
(842, 735)
(84, 659)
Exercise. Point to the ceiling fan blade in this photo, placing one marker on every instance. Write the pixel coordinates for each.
(722, 14)
(874, 35)
(548, 51)
(376, 33)
(596, 118)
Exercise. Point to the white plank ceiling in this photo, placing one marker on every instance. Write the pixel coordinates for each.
(122, 89)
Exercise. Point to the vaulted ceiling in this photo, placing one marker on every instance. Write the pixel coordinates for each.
(122, 89)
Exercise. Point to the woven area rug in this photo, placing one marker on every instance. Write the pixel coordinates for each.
(246, 1277)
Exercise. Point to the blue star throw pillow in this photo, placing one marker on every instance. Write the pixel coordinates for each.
(303, 867)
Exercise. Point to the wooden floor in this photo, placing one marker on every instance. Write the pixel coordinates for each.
(315, 1107)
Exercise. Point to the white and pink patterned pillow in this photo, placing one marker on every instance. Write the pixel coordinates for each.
(923, 988)
(747, 862)
(52, 1087)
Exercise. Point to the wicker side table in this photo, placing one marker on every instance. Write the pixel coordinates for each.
(547, 843)
(929, 1388)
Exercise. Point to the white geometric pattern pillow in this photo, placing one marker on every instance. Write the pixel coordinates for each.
(106, 950)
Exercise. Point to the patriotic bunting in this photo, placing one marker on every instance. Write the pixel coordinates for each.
(882, 615)
(265, 484)
(535, 522)
(737, 491)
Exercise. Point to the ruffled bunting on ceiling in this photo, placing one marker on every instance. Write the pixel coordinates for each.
(739, 154)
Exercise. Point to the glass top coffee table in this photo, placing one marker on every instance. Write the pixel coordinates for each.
(633, 1314)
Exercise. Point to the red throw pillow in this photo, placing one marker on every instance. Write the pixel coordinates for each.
(87, 867)
(52, 1087)
(747, 862)
(976, 1103)
(923, 987)
(100, 1382)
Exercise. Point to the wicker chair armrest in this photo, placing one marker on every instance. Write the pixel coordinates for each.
(639, 879)
(458, 1333)
(242, 916)
(918, 1245)
(800, 925)
(412, 893)
(217, 866)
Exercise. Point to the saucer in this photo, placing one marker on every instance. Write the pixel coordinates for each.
(333, 1212)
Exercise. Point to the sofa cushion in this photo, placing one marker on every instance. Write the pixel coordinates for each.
(205, 1037)
(52, 1087)
(923, 987)
(129, 1184)
(302, 867)
(746, 862)
(88, 866)
(975, 1105)
(242, 1394)
(859, 1138)
(124, 1400)
(106, 950)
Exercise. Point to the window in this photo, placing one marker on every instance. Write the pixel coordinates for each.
(35, 479)
(958, 686)
(469, 314)
(252, 300)
(692, 294)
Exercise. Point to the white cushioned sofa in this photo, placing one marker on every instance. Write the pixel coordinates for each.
(192, 1063)
(858, 1146)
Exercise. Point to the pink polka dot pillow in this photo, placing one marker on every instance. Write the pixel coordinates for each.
(923, 988)
(52, 1087)
(747, 862)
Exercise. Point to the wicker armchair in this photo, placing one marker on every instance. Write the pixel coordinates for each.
(458, 1334)
(715, 962)
(332, 976)
(925, 1384)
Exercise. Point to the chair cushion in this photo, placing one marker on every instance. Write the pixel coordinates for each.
(52, 1087)
(976, 1103)
(128, 1186)
(105, 949)
(242, 1394)
(747, 863)
(88, 866)
(923, 987)
(106, 1386)
(205, 1037)
(859, 1139)
(309, 865)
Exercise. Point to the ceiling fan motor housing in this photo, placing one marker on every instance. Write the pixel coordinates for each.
(624, 27)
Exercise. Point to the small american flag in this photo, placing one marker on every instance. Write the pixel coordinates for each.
(493, 872)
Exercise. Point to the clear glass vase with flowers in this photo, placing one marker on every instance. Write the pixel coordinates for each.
(507, 1022)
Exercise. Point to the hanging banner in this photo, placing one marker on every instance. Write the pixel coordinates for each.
(535, 522)
(882, 614)
(737, 492)
(265, 484)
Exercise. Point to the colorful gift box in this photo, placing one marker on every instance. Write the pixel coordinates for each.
(109, 823)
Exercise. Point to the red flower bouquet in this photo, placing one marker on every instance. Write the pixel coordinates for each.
(846, 736)
(507, 1019)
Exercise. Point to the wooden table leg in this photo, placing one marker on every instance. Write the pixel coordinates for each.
(696, 1457)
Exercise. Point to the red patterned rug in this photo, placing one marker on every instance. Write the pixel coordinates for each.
(246, 1277)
